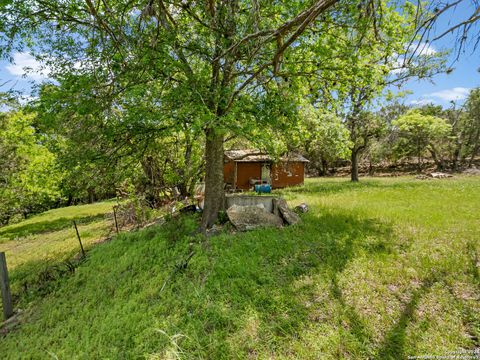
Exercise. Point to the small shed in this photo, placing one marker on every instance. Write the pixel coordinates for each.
(244, 168)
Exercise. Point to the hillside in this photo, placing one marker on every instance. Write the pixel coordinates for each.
(43, 247)
(385, 268)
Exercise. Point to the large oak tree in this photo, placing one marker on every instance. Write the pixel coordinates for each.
(211, 55)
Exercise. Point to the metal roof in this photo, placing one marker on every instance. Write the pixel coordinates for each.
(249, 155)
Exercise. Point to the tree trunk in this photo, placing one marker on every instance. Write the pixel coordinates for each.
(324, 167)
(436, 159)
(354, 165)
(474, 153)
(91, 195)
(186, 171)
(371, 169)
(476, 148)
(214, 193)
(457, 157)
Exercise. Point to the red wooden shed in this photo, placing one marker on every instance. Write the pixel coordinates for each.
(244, 168)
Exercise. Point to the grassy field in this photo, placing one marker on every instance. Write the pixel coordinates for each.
(385, 269)
(44, 241)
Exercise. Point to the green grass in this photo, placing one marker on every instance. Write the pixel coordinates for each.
(42, 243)
(383, 269)
(56, 219)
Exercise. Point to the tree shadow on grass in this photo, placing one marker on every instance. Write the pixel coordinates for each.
(393, 345)
(357, 327)
(264, 271)
(45, 226)
(241, 295)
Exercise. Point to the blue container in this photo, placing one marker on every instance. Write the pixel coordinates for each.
(263, 188)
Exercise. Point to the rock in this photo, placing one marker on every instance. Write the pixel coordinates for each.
(280, 206)
(422, 177)
(302, 208)
(434, 175)
(472, 171)
(277, 204)
(252, 217)
(439, 175)
(289, 216)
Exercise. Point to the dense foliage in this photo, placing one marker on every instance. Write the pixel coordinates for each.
(29, 175)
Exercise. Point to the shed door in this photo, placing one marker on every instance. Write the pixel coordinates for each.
(247, 171)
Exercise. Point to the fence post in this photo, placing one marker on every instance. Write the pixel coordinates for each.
(5, 288)
(115, 217)
(78, 236)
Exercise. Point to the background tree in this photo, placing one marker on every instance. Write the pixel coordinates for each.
(374, 55)
(29, 177)
(325, 139)
(382, 149)
(422, 133)
(363, 128)
(471, 127)
(100, 154)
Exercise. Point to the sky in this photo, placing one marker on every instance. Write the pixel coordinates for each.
(444, 88)
(440, 90)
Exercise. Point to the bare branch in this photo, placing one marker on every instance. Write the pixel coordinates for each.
(475, 17)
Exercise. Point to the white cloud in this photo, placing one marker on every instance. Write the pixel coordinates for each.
(421, 102)
(454, 94)
(426, 49)
(26, 65)
(398, 66)
(447, 95)
(399, 63)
